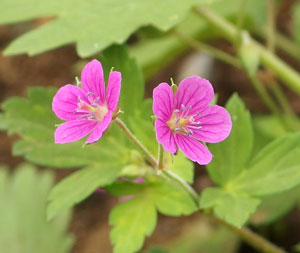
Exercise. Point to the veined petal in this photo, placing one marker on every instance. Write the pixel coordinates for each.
(194, 92)
(73, 130)
(92, 80)
(113, 90)
(215, 124)
(100, 128)
(65, 102)
(193, 149)
(165, 136)
(163, 101)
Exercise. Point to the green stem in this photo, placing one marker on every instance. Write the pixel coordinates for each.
(260, 89)
(282, 42)
(253, 239)
(271, 26)
(218, 54)
(268, 59)
(135, 140)
(155, 163)
(160, 157)
(240, 20)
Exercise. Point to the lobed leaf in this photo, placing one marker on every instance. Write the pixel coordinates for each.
(79, 186)
(233, 208)
(232, 154)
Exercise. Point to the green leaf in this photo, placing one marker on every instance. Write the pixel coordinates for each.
(181, 166)
(275, 206)
(172, 200)
(34, 121)
(133, 220)
(231, 155)
(79, 186)
(93, 25)
(23, 197)
(275, 169)
(233, 208)
(132, 93)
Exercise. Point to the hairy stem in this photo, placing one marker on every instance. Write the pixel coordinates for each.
(253, 239)
(268, 59)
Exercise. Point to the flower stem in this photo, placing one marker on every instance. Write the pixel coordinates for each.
(132, 137)
(268, 59)
(247, 235)
(160, 157)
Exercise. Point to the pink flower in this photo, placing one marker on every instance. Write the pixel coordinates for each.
(87, 110)
(186, 119)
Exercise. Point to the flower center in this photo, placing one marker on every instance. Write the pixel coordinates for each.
(182, 121)
(91, 110)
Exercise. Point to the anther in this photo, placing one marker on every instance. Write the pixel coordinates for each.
(183, 107)
(90, 93)
(176, 111)
(189, 132)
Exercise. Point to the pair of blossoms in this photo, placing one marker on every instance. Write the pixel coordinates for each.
(184, 117)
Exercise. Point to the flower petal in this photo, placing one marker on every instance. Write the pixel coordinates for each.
(163, 101)
(100, 128)
(195, 92)
(215, 124)
(92, 80)
(193, 149)
(65, 102)
(165, 136)
(73, 130)
(113, 90)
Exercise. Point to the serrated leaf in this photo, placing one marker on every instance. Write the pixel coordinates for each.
(23, 197)
(133, 220)
(275, 169)
(231, 155)
(233, 208)
(92, 25)
(79, 186)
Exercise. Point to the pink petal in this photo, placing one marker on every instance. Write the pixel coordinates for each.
(73, 130)
(165, 136)
(193, 149)
(113, 90)
(65, 102)
(93, 81)
(163, 101)
(100, 128)
(215, 124)
(195, 92)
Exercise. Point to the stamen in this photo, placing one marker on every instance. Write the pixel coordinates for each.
(176, 111)
(90, 93)
(183, 107)
(189, 132)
